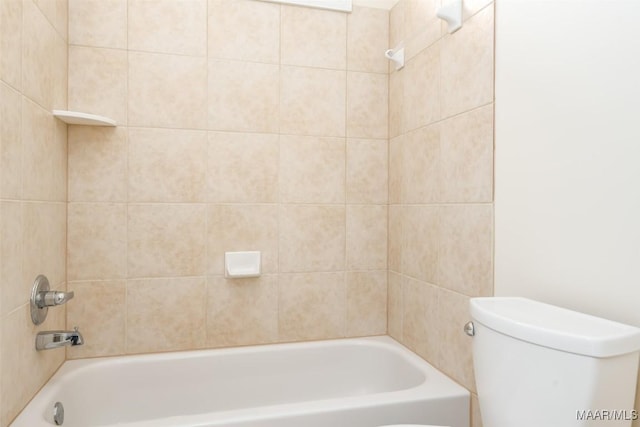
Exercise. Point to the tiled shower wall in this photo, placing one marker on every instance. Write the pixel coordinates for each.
(440, 181)
(33, 188)
(243, 125)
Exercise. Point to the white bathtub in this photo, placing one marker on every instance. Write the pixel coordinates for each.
(342, 383)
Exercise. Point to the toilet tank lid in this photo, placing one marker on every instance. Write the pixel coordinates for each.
(555, 327)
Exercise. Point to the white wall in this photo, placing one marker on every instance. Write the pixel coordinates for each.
(568, 154)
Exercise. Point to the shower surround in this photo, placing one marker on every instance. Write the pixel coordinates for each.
(440, 182)
(33, 189)
(243, 125)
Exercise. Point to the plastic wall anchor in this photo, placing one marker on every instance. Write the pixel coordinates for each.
(239, 265)
(396, 56)
(452, 14)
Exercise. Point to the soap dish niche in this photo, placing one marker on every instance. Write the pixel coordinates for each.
(238, 265)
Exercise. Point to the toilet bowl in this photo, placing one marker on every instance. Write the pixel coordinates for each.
(540, 365)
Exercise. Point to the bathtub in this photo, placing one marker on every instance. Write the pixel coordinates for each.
(362, 382)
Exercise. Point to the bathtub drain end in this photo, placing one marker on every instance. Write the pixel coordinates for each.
(58, 413)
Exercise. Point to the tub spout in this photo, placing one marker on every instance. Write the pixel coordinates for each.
(55, 339)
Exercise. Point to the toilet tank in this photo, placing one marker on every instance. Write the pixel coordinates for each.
(540, 365)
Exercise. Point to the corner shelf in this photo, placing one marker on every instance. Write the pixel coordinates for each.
(77, 118)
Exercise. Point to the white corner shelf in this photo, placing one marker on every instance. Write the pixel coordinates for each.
(77, 118)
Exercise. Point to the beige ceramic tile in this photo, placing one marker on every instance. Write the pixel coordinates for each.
(44, 157)
(366, 303)
(420, 241)
(429, 34)
(242, 311)
(455, 356)
(636, 423)
(156, 79)
(56, 12)
(99, 310)
(466, 249)
(422, 25)
(420, 322)
(396, 104)
(11, 42)
(24, 370)
(422, 88)
(311, 306)
(182, 322)
(396, 23)
(61, 142)
(471, 7)
(166, 240)
(467, 65)
(243, 96)
(98, 82)
(10, 143)
(61, 138)
(60, 73)
(303, 111)
(38, 53)
(234, 228)
(313, 37)
(97, 241)
(168, 26)
(366, 237)
(167, 165)
(367, 105)
(476, 418)
(395, 237)
(467, 157)
(100, 23)
(418, 13)
(2, 401)
(421, 166)
(244, 29)
(97, 164)
(367, 36)
(394, 317)
(397, 173)
(242, 168)
(15, 290)
(367, 170)
(312, 238)
(312, 169)
(44, 232)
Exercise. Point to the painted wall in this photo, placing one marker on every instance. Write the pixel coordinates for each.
(33, 189)
(567, 154)
(440, 182)
(243, 125)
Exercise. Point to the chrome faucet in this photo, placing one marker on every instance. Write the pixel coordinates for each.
(51, 298)
(42, 298)
(54, 339)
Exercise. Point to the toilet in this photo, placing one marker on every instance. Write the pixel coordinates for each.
(541, 365)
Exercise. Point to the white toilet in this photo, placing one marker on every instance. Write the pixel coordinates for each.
(540, 365)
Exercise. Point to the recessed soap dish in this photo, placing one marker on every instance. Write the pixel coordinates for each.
(242, 264)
